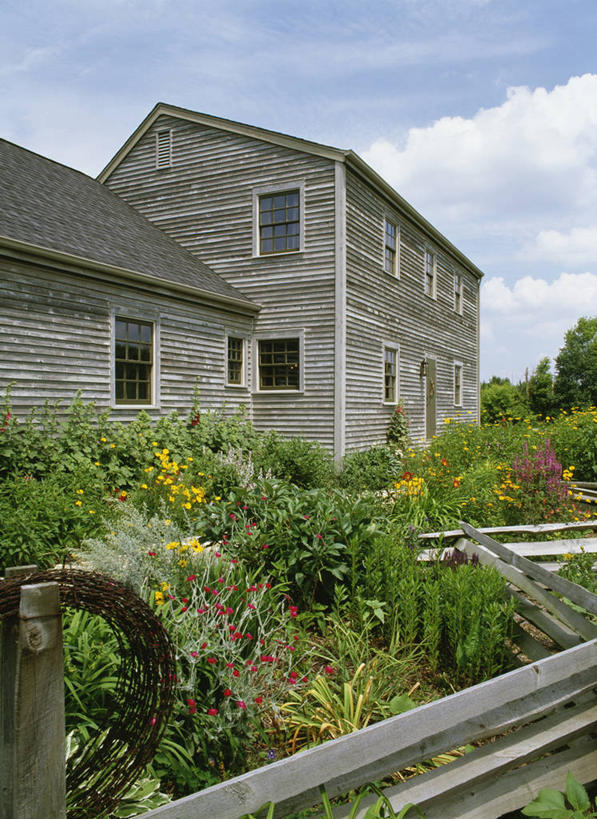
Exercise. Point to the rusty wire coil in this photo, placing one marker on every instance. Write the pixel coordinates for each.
(108, 765)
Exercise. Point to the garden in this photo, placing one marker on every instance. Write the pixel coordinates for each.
(291, 590)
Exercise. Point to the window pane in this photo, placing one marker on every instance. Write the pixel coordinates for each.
(293, 228)
(266, 203)
(266, 218)
(267, 246)
(131, 390)
(133, 331)
(293, 243)
(280, 244)
(146, 333)
(292, 214)
(132, 352)
(280, 201)
(120, 329)
(292, 199)
(267, 232)
(279, 216)
(143, 386)
(145, 353)
(120, 350)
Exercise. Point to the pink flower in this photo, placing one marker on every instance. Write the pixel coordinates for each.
(192, 706)
(229, 665)
(194, 653)
(153, 721)
(241, 704)
(250, 606)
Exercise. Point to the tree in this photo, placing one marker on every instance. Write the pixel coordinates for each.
(501, 399)
(540, 389)
(575, 384)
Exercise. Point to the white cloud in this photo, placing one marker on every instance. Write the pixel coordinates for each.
(523, 163)
(575, 247)
(523, 322)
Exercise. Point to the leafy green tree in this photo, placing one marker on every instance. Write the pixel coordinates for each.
(502, 399)
(540, 389)
(576, 366)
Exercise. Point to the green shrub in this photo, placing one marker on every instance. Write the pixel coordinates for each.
(373, 469)
(306, 464)
(43, 520)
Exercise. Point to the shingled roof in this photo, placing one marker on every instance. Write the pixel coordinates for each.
(48, 205)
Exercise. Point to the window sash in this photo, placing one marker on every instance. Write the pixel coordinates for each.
(279, 364)
(279, 222)
(391, 235)
(235, 361)
(458, 385)
(429, 273)
(458, 293)
(133, 361)
(390, 375)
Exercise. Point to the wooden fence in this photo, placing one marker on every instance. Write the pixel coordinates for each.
(530, 725)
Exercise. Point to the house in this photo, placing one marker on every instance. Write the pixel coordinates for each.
(281, 274)
(94, 298)
(363, 302)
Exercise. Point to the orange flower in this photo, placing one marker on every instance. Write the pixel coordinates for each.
(455, 483)
(444, 462)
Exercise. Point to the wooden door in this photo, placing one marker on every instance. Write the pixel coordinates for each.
(430, 419)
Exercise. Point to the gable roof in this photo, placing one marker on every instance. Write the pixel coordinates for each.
(348, 157)
(46, 207)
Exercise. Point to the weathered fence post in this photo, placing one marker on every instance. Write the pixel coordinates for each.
(32, 765)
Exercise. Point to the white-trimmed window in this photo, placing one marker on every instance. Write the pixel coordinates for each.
(429, 283)
(279, 363)
(391, 368)
(458, 383)
(278, 219)
(133, 361)
(458, 292)
(163, 148)
(392, 248)
(235, 361)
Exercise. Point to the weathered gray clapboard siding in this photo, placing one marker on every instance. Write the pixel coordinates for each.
(205, 202)
(55, 339)
(384, 308)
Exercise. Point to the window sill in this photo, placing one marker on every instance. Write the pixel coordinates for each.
(278, 253)
(290, 393)
(395, 276)
(236, 386)
(138, 407)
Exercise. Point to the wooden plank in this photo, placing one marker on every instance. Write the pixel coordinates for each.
(564, 637)
(568, 616)
(517, 788)
(32, 737)
(429, 791)
(529, 646)
(536, 528)
(366, 755)
(577, 594)
(573, 546)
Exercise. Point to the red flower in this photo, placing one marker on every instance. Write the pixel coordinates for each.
(258, 700)
(407, 476)
(151, 554)
(227, 692)
(236, 673)
(212, 660)
(444, 462)
(212, 712)
(329, 670)
(455, 483)
(192, 706)
(203, 645)
(191, 577)
(194, 654)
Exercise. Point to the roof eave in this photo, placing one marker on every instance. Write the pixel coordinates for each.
(207, 296)
(359, 165)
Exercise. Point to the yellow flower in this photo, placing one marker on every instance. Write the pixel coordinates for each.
(159, 598)
(97, 463)
(165, 586)
(174, 544)
(154, 443)
(92, 511)
(143, 486)
(103, 440)
(112, 446)
(187, 505)
(80, 492)
(78, 503)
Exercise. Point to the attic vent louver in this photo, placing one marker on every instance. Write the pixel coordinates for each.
(163, 149)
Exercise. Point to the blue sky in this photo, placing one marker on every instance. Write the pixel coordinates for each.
(482, 113)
